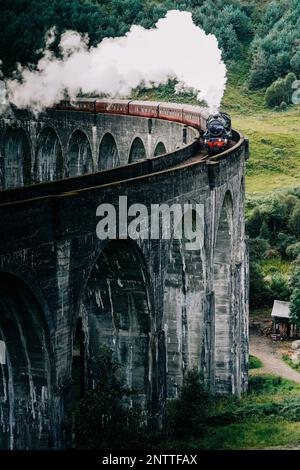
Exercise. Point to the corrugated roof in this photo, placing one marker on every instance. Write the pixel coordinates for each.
(281, 309)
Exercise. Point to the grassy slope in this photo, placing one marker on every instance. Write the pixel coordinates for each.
(254, 431)
(274, 136)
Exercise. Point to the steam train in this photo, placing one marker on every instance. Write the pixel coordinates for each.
(216, 128)
(218, 133)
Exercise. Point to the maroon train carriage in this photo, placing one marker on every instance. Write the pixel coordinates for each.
(171, 111)
(112, 106)
(192, 116)
(84, 104)
(144, 108)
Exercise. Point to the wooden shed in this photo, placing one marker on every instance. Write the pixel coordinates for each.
(282, 327)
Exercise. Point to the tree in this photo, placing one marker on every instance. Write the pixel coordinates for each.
(187, 414)
(294, 221)
(289, 80)
(254, 221)
(295, 62)
(276, 93)
(295, 298)
(295, 307)
(100, 420)
(264, 231)
(257, 248)
(279, 287)
(293, 251)
(259, 291)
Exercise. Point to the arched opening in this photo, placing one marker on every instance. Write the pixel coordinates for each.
(17, 159)
(25, 401)
(223, 288)
(80, 160)
(108, 153)
(160, 149)
(49, 156)
(137, 151)
(185, 303)
(115, 310)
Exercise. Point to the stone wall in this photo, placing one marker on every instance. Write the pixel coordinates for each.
(59, 144)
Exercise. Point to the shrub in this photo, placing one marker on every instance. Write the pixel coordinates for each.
(280, 92)
(100, 420)
(257, 248)
(188, 413)
(276, 93)
(293, 250)
(254, 362)
(295, 307)
(259, 292)
(283, 106)
(279, 287)
(284, 240)
(294, 221)
(260, 384)
(254, 221)
(295, 298)
(264, 232)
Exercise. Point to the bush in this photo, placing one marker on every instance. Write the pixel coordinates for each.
(257, 249)
(254, 362)
(276, 93)
(295, 298)
(293, 250)
(284, 240)
(280, 92)
(100, 420)
(295, 307)
(259, 292)
(279, 287)
(264, 232)
(187, 414)
(254, 221)
(283, 106)
(260, 384)
(294, 221)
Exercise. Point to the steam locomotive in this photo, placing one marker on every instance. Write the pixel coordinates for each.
(218, 133)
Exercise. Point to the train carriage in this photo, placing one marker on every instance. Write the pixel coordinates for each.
(171, 111)
(112, 106)
(144, 108)
(84, 104)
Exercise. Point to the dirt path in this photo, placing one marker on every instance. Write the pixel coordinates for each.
(270, 354)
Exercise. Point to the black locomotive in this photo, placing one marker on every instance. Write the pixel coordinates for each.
(218, 133)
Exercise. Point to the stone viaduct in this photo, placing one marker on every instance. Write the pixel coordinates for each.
(64, 293)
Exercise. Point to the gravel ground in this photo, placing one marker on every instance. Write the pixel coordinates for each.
(270, 353)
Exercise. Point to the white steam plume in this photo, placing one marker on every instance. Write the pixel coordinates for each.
(175, 48)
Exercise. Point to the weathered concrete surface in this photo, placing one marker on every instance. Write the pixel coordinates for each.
(61, 144)
(161, 307)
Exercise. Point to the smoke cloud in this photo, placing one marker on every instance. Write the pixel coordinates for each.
(174, 48)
